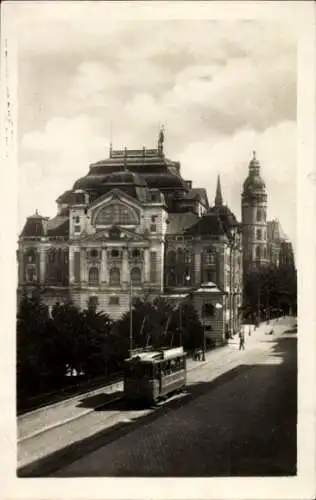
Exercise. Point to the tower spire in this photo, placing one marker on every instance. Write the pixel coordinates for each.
(218, 196)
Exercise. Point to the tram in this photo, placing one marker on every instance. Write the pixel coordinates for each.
(152, 375)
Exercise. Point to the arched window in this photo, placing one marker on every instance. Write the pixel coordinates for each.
(30, 275)
(30, 255)
(115, 276)
(180, 255)
(136, 276)
(116, 214)
(93, 276)
(171, 258)
(259, 214)
(258, 252)
(187, 257)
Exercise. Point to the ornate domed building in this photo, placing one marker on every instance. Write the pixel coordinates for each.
(133, 227)
(254, 217)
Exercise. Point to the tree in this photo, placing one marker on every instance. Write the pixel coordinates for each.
(33, 324)
(162, 325)
(268, 289)
(95, 343)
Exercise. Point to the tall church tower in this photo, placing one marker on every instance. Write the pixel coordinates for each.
(254, 218)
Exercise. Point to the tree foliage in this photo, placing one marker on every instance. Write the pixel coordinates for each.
(88, 343)
(270, 288)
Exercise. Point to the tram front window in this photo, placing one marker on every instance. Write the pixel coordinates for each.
(139, 371)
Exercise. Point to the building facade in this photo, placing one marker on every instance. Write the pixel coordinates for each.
(280, 249)
(254, 203)
(133, 227)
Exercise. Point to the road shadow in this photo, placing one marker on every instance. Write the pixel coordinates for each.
(110, 401)
(257, 459)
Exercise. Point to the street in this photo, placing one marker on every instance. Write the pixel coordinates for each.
(238, 417)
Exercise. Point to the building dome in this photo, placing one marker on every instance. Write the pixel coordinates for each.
(124, 177)
(254, 181)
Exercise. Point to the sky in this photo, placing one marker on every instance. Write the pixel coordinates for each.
(222, 88)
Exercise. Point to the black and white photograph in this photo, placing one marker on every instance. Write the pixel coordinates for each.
(158, 257)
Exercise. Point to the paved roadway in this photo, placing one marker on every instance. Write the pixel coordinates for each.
(238, 407)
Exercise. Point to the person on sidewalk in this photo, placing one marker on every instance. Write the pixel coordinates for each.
(242, 338)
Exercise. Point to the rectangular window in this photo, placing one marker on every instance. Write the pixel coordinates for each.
(208, 310)
(77, 266)
(210, 259)
(77, 228)
(153, 267)
(153, 228)
(153, 218)
(114, 301)
(210, 276)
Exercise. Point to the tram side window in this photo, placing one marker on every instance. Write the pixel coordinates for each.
(172, 366)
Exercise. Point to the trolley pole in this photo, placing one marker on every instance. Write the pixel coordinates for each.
(180, 323)
(130, 319)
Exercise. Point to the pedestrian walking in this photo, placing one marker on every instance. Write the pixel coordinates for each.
(242, 338)
(249, 330)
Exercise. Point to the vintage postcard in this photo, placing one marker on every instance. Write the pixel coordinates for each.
(158, 249)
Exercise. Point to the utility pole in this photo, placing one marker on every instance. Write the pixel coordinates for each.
(130, 318)
(258, 304)
(203, 324)
(180, 323)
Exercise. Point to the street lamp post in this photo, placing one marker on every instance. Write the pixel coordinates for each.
(187, 279)
(130, 318)
(203, 324)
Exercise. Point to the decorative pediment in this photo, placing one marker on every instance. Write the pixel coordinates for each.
(114, 195)
(116, 208)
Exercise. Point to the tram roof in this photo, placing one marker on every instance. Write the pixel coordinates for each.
(156, 356)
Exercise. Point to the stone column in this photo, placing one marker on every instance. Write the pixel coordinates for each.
(71, 266)
(125, 267)
(83, 274)
(42, 252)
(104, 264)
(146, 266)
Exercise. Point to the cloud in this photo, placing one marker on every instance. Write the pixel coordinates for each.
(229, 156)
(221, 88)
(66, 145)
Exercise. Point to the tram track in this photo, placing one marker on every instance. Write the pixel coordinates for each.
(86, 417)
(60, 399)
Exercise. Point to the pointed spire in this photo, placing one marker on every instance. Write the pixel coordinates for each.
(219, 196)
(254, 165)
(125, 159)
